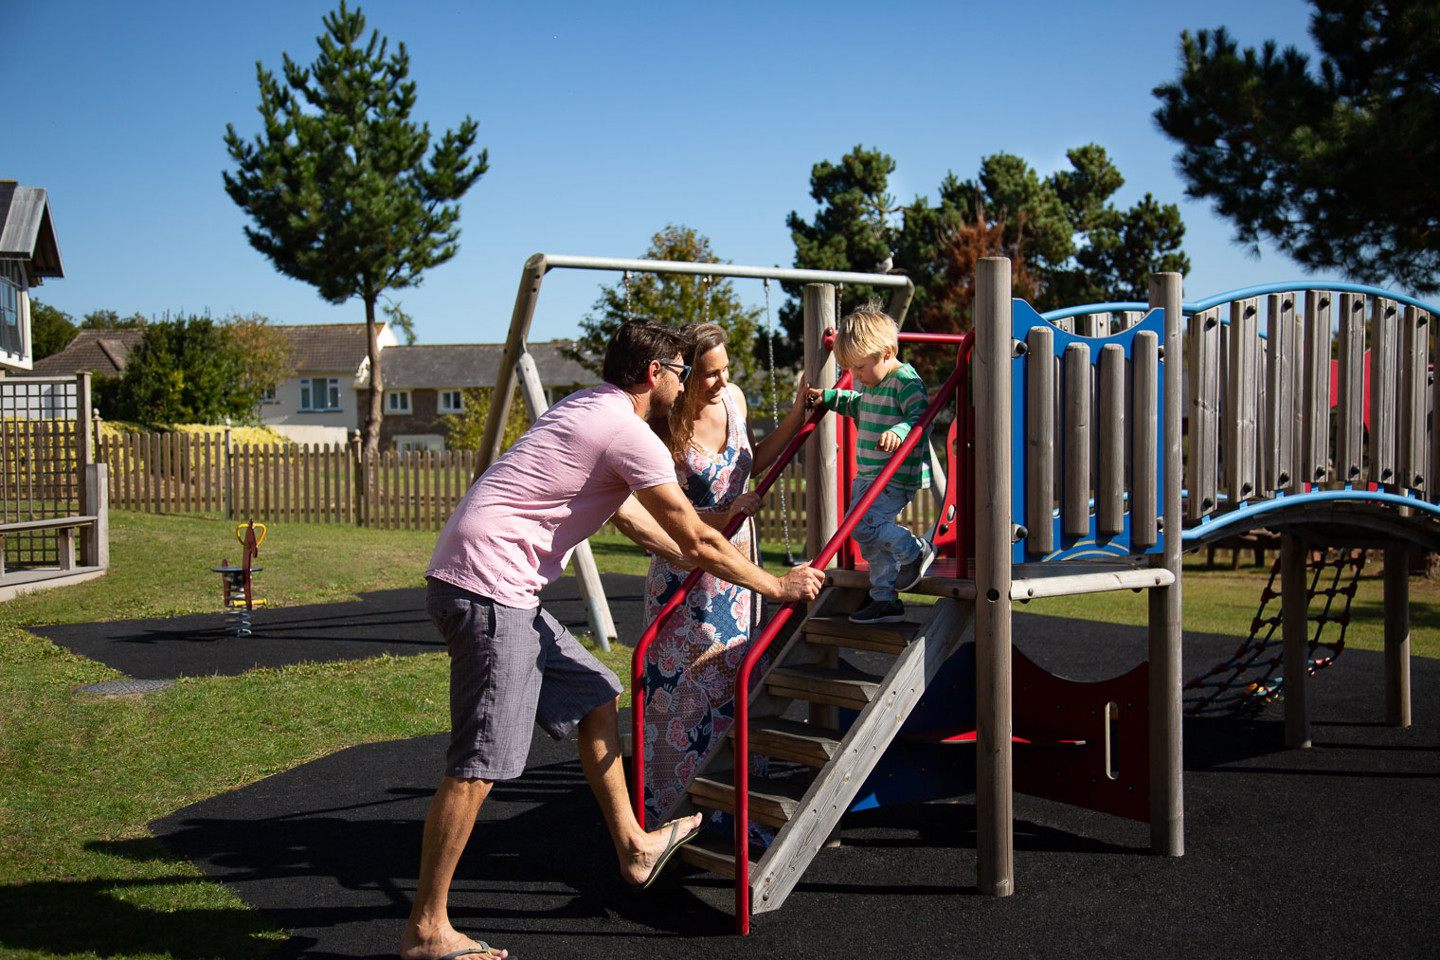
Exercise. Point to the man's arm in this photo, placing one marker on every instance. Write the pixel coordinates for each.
(636, 523)
(701, 545)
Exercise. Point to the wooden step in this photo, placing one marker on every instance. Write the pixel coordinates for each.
(791, 740)
(838, 631)
(715, 852)
(772, 802)
(841, 688)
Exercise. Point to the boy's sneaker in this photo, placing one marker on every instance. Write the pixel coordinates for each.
(910, 573)
(879, 611)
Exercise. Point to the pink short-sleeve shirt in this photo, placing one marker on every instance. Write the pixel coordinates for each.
(513, 531)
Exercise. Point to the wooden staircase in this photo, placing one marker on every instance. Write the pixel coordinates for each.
(816, 768)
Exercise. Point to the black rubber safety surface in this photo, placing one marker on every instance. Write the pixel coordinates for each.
(1328, 852)
(385, 621)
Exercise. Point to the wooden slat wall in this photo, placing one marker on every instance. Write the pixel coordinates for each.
(1203, 343)
(1040, 406)
(1077, 391)
(1350, 389)
(1315, 449)
(1242, 401)
(1414, 399)
(1384, 376)
(1145, 447)
(1111, 436)
(1281, 359)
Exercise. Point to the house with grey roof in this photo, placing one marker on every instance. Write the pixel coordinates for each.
(322, 400)
(29, 255)
(100, 352)
(424, 383)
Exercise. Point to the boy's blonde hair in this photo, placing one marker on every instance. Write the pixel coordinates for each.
(865, 333)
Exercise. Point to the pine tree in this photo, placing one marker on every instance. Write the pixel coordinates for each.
(339, 185)
(1068, 241)
(1337, 168)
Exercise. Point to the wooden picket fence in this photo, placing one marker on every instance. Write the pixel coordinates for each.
(295, 483)
(322, 483)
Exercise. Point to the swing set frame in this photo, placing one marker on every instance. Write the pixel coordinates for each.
(516, 362)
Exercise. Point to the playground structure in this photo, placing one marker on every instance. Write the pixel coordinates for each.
(1248, 679)
(237, 588)
(1064, 475)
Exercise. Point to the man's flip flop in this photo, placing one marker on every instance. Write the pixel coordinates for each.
(481, 948)
(671, 846)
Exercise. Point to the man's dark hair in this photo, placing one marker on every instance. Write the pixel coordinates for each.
(634, 345)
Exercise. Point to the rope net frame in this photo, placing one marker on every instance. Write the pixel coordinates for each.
(1249, 679)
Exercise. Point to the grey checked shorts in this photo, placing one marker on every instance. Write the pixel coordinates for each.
(510, 667)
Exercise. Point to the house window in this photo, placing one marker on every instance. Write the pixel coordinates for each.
(452, 401)
(397, 401)
(11, 279)
(420, 443)
(319, 394)
(267, 395)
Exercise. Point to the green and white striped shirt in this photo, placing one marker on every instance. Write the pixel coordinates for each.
(895, 404)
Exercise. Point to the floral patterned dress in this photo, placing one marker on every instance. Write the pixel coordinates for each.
(690, 668)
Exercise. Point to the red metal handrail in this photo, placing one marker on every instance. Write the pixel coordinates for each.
(762, 643)
(637, 661)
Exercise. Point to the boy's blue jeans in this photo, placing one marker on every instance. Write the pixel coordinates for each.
(884, 544)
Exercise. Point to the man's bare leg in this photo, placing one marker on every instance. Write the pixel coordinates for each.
(600, 758)
(428, 933)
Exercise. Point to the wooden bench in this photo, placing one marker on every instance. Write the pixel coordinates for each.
(64, 526)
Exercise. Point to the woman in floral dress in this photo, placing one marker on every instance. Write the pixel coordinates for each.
(690, 668)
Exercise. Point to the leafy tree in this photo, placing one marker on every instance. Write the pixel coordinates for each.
(1067, 239)
(110, 320)
(50, 329)
(184, 371)
(1337, 168)
(262, 353)
(338, 184)
(465, 430)
(675, 299)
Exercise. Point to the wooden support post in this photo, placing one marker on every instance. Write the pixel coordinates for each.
(994, 535)
(1315, 466)
(1078, 395)
(1397, 637)
(1110, 430)
(1167, 802)
(1206, 388)
(520, 317)
(822, 520)
(97, 505)
(1040, 401)
(1294, 605)
(822, 516)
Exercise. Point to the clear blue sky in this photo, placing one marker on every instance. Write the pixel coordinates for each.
(604, 123)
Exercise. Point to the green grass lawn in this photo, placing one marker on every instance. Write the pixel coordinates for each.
(81, 776)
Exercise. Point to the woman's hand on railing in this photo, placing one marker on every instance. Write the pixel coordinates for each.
(748, 503)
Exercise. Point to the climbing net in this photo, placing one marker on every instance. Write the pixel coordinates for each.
(1248, 680)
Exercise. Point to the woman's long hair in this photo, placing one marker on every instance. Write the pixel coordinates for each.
(699, 339)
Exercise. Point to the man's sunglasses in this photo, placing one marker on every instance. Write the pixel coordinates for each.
(681, 370)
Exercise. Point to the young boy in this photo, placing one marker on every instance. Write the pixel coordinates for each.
(885, 411)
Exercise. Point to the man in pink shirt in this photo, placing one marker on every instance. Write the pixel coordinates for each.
(589, 458)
